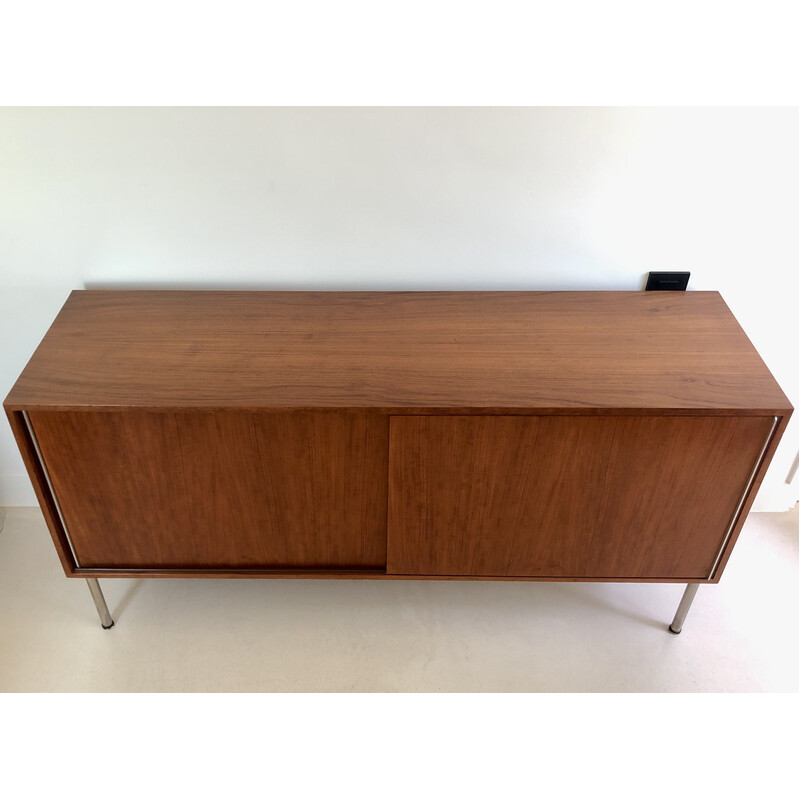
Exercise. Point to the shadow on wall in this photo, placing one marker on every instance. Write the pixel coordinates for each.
(353, 286)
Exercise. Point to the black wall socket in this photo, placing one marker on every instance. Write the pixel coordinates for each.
(667, 281)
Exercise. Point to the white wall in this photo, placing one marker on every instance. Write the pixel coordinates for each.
(400, 198)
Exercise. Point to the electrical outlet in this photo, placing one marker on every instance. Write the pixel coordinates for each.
(667, 281)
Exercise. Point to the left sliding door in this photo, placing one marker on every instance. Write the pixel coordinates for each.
(219, 490)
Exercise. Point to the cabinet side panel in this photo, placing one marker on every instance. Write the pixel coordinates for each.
(761, 471)
(47, 503)
(581, 497)
(220, 490)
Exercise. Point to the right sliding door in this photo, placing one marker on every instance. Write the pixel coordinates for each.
(566, 496)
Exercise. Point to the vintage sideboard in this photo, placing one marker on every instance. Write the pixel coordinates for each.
(559, 436)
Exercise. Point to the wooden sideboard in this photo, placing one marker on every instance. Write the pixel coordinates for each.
(606, 436)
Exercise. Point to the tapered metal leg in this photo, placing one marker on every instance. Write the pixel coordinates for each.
(683, 607)
(100, 602)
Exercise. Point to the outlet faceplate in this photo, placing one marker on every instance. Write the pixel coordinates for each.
(667, 281)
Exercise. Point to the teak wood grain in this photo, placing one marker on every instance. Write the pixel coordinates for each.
(577, 436)
(222, 490)
(617, 497)
(399, 352)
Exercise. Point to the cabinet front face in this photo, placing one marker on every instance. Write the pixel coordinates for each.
(221, 490)
(566, 496)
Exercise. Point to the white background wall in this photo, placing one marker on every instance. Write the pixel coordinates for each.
(424, 198)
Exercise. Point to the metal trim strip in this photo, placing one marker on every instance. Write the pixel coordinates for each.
(50, 487)
(743, 498)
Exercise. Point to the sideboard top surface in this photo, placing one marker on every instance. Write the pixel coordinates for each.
(405, 352)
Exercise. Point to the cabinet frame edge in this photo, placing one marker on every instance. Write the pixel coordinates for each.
(755, 484)
(41, 486)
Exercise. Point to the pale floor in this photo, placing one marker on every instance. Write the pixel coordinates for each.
(398, 636)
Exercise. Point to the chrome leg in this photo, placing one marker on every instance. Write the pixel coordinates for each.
(683, 608)
(100, 602)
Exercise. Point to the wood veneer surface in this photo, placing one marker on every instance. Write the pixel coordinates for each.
(555, 496)
(401, 352)
(219, 490)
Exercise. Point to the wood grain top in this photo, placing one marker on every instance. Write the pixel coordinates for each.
(403, 352)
